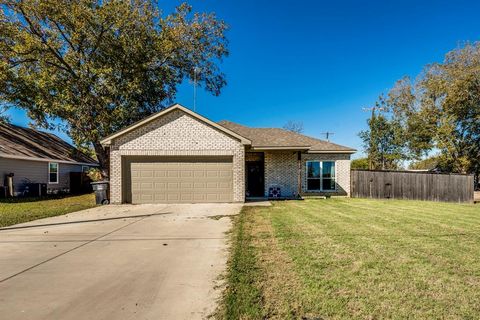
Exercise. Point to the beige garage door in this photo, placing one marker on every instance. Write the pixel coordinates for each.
(187, 180)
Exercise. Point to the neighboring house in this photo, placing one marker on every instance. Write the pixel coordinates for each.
(176, 155)
(38, 157)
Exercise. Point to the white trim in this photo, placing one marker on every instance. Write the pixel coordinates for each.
(9, 156)
(108, 140)
(58, 171)
(332, 151)
(321, 176)
(280, 148)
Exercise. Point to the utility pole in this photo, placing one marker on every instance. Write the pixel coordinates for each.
(372, 117)
(328, 134)
(195, 89)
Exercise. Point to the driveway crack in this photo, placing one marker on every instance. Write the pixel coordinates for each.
(70, 250)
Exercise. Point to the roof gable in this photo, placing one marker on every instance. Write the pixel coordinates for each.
(276, 138)
(26, 143)
(108, 140)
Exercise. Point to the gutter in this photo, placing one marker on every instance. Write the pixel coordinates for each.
(8, 156)
(267, 148)
(332, 151)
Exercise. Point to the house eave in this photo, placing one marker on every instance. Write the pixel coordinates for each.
(280, 148)
(17, 157)
(332, 151)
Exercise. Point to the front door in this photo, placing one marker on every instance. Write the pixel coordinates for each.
(255, 179)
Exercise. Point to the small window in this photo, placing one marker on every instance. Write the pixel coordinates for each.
(313, 175)
(85, 169)
(321, 175)
(328, 175)
(53, 172)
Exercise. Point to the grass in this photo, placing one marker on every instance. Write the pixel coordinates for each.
(354, 259)
(19, 210)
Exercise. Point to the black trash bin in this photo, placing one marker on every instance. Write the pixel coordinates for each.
(101, 192)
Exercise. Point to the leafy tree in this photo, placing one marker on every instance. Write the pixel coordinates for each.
(384, 140)
(294, 126)
(441, 110)
(425, 164)
(416, 123)
(100, 65)
(450, 94)
(361, 163)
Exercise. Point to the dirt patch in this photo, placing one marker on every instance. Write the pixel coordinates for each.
(220, 216)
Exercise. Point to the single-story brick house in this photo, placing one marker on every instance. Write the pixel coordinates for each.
(37, 157)
(176, 155)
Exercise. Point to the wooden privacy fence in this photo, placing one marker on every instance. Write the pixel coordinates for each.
(412, 185)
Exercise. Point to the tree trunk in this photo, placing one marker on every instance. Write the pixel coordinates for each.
(103, 159)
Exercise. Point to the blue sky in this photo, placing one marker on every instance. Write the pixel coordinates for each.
(320, 62)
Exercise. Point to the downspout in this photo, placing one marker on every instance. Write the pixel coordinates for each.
(299, 164)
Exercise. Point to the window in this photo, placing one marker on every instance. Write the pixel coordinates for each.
(52, 172)
(85, 169)
(321, 175)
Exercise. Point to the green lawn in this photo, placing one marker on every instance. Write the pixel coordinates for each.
(354, 259)
(18, 210)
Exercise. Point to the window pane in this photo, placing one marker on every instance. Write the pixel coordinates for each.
(313, 169)
(313, 184)
(53, 177)
(328, 184)
(53, 167)
(328, 169)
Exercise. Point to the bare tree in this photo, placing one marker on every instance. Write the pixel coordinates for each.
(294, 126)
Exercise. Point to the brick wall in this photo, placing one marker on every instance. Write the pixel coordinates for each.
(342, 171)
(281, 169)
(176, 134)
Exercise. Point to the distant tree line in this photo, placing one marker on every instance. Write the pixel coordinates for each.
(437, 113)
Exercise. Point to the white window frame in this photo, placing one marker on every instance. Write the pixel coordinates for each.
(321, 177)
(58, 171)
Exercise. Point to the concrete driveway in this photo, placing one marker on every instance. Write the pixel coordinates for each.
(116, 262)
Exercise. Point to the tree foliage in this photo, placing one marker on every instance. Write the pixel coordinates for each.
(440, 112)
(429, 163)
(384, 140)
(449, 93)
(3, 117)
(102, 65)
(361, 163)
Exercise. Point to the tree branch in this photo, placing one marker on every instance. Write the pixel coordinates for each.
(63, 35)
(45, 42)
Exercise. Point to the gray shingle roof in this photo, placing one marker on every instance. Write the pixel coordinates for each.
(22, 142)
(276, 137)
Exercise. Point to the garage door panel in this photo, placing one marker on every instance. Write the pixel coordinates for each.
(160, 174)
(160, 186)
(174, 197)
(224, 185)
(199, 174)
(146, 173)
(186, 174)
(186, 185)
(191, 180)
(145, 197)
